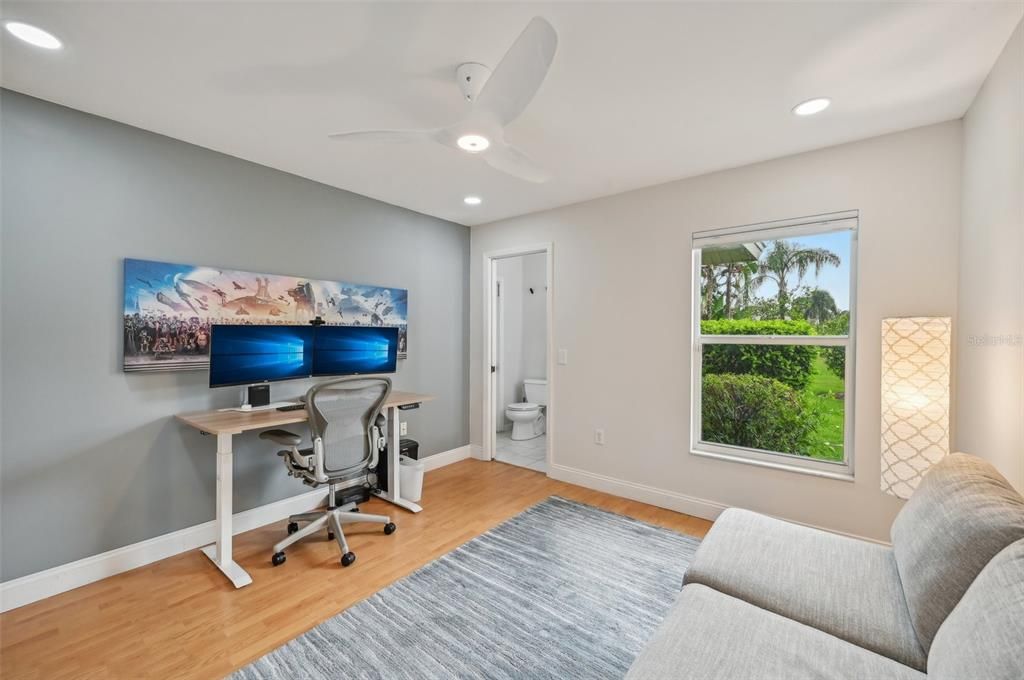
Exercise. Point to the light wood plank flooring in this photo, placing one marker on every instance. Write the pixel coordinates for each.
(179, 618)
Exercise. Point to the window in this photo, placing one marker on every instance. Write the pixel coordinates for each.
(774, 305)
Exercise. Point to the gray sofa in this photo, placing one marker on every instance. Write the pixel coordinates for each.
(768, 599)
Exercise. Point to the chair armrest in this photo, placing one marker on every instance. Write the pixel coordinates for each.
(283, 437)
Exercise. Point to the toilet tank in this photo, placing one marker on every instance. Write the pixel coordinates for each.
(536, 391)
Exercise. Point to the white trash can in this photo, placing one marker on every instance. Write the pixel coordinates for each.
(410, 483)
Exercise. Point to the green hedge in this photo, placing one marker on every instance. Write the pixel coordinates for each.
(789, 364)
(756, 412)
(835, 357)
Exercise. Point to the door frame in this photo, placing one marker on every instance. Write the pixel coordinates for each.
(498, 346)
(491, 353)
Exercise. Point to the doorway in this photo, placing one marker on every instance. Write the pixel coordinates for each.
(517, 403)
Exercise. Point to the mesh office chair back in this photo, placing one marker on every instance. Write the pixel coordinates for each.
(345, 414)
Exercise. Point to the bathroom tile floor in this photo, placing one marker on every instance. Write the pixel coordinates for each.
(528, 453)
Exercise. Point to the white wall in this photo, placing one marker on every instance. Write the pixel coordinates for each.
(510, 362)
(622, 290)
(990, 354)
(535, 315)
(524, 335)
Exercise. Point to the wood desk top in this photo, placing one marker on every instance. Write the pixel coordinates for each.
(237, 422)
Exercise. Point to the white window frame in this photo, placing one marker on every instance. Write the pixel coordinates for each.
(770, 231)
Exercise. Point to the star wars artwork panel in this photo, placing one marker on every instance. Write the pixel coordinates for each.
(169, 308)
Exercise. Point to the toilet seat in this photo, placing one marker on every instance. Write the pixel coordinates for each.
(522, 406)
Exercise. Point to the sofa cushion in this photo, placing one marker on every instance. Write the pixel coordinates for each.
(962, 514)
(842, 586)
(708, 635)
(983, 637)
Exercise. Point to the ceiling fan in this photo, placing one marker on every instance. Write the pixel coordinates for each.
(497, 98)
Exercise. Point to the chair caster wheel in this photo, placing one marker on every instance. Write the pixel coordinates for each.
(347, 559)
(278, 559)
(293, 527)
(330, 535)
(390, 528)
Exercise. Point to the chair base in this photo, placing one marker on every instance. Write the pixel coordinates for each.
(332, 519)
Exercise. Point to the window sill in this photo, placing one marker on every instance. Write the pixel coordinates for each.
(842, 476)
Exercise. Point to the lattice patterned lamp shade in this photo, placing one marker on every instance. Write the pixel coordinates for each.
(915, 400)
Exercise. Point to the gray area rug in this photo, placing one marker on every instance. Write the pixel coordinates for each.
(562, 590)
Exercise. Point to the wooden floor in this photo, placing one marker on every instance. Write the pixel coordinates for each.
(180, 618)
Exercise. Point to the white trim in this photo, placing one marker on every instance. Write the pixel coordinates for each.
(842, 470)
(776, 461)
(439, 460)
(477, 451)
(813, 340)
(662, 498)
(798, 226)
(486, 450)
(498, 348)
(34, 587)
(670, 500)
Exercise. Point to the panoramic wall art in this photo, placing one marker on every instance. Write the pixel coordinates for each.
(169, 308)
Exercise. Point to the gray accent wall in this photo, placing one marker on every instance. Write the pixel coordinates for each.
(92, 458)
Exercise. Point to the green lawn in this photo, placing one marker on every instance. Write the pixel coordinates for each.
(827, 441)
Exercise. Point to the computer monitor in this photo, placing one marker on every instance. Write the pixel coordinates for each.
(354, 350)
(243, 355)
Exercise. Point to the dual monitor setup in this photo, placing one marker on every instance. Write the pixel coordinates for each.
(245, 355)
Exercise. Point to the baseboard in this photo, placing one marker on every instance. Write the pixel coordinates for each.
(477, 451)
(663, 498)
(34, 587)
(446, 458)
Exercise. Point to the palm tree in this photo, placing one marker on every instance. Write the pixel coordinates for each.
(739, 288)
(819, 306)
(726, 288)
(785, 260)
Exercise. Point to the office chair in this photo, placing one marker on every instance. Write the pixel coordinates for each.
(347, 430)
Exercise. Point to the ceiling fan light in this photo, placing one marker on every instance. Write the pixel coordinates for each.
(812, 106)
(33, 35)
(473, 143)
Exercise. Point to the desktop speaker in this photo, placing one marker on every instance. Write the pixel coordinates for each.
(259, 395)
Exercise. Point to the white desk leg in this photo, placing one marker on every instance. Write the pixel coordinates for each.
(220, 552)
(393, 494)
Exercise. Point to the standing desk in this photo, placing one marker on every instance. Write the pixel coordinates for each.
(226, 424)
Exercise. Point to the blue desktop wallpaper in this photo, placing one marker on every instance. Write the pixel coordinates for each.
(253, 354)
(348, 350)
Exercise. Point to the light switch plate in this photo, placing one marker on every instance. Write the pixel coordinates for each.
(403, 428)
(599, 437)
(563, 357)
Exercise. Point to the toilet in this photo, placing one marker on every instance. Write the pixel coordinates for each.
(528, 417)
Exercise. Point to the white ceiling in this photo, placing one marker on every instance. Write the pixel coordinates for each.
(639, 93)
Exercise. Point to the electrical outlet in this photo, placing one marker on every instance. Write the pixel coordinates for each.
(599, 437)
(403, 429)
(563, 357)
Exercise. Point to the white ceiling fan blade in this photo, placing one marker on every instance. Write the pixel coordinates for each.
(512, 161)
(517, 78)
(388, 136)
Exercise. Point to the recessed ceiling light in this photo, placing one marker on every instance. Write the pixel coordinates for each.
(812, 106)
(472, 200)
(32, 35)
(473, 143)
